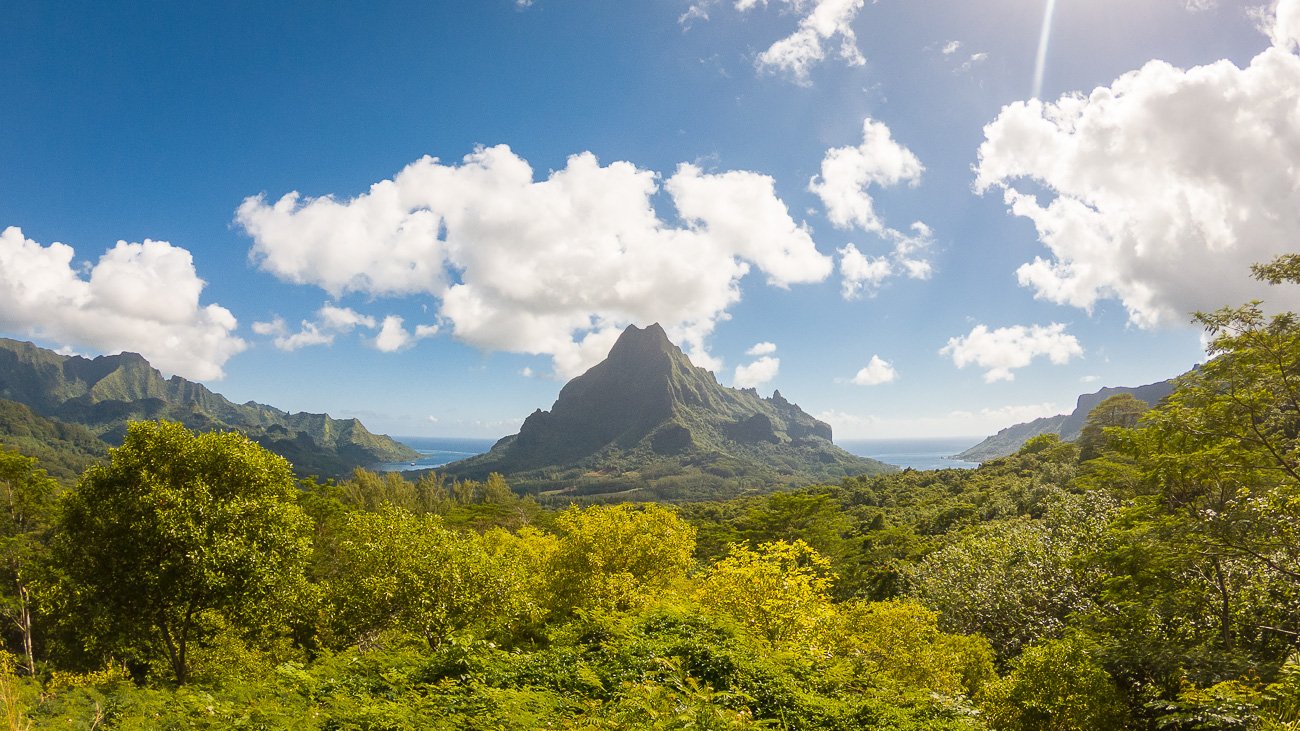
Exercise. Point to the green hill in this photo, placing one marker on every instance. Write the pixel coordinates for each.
(647, 424)
(102, 394)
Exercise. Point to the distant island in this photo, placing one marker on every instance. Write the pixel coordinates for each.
(647, 424)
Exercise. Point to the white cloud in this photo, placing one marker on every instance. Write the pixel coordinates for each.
(974, 60)
(1162, 188)
(556, 267)
(951, 47)
(757, 373)
(821, 23)
(798, 52)
(310, 334)
(330, 321)
(847, 172)
(1285, 31)
(859, 272)
(764, 348)
(393, 336)
(141, 297)
(343, 319)
(273, 327)
(876, 372)
(1005, 349)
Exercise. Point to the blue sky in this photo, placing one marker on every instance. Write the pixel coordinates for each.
(861, 204)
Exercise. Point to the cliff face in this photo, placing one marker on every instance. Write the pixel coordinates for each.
(104, 393)
(647, 407)
(1069, 425)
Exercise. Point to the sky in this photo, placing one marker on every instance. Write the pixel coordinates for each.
(913, 217)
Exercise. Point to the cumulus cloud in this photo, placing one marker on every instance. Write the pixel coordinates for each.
(847, 172)
(762, 370)
(846, 175)
(757, 373)
(330, 321)
(558, 266)
(799, 52)
(822, 23)
(393, 335)
(1160, 189)
(859, 272)
(1285, 31)
(141, 297)
(1005, 349)
(876, 372)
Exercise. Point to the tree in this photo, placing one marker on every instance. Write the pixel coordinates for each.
(175, 529)
(1120, 411)
(617, 557)
(780, 593)
(400, 570)
(26, 501)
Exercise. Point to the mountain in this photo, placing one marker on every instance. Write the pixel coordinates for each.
(102, 394)
(648, 424)
(1068, 425)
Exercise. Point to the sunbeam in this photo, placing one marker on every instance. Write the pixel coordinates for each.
(1044, 37)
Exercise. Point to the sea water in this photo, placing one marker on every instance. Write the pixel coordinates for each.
(931, 453)
(920, 454)
(436, 452)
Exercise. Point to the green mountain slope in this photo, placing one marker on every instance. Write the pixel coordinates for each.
(104, 393)
(645, 423)
(1011, 439)
(63, 450)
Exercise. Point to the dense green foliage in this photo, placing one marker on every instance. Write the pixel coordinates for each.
(1146, 578)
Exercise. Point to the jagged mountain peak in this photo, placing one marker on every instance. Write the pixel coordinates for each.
(646, 406)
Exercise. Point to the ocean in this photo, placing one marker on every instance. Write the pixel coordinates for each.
(919, 454)
(931, 453)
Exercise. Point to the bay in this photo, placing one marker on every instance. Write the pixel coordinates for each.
(930, 453)
(436, 452)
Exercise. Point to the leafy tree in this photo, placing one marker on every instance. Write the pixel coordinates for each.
(618, 557)
(1018, 581)
(399, 570)
(26, 504)
(898, 644)
(780, 593)
(1057, 685)
(1120, 411)
(175, 527)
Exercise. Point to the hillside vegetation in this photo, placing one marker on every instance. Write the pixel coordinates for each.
(98, 397)
(1146, 577)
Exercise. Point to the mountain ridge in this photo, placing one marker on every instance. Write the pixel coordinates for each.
(1068, 426)
(646, 419)
(105, 392)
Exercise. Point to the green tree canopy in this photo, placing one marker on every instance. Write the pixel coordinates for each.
(175, 527)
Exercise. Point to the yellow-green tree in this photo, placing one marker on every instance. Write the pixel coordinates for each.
(403, 571)
(618, 557)
(780, 593)
(898, 644)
